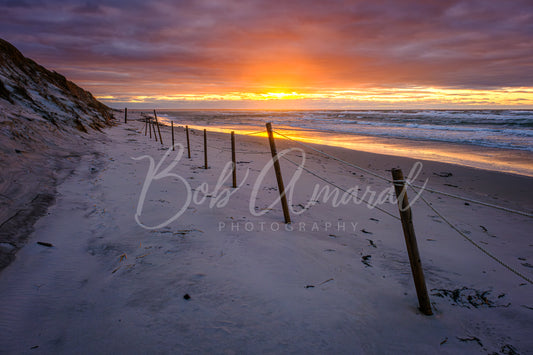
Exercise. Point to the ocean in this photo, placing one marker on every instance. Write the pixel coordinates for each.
(499, 140)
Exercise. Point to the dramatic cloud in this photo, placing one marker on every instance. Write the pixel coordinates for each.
(124, 49)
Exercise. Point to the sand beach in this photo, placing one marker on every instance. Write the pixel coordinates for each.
(146, 251)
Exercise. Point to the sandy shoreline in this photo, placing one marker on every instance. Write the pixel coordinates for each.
(512, 189)
(109, 285)
(514, 161)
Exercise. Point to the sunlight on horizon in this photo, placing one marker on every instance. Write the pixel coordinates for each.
(433, 151)
(422, 96)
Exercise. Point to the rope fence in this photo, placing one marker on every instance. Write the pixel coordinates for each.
(342, 189)
(400, 184)
(335, 158)
(483, 250)
(466, 199)
(422, 189)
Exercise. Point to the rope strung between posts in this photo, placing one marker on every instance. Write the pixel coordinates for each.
(340, 188)
(412, 186)
(466, 199)
(486, 204)
(486, 252)
(483, 250)
(475, 201)
(335, 158)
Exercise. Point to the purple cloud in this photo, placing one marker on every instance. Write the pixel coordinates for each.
(222, 43)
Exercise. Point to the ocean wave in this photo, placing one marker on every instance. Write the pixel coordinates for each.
(508, 129)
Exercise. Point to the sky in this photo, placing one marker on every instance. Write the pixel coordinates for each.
(271, 54)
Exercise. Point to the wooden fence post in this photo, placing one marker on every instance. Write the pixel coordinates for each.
(149, 126)
(233, 159)
(410, 241)
(153, 127)
(155, 132)
(188, 143)
(158, 130)
(277, 170)
(126, 115)
(205, 147)
(172, 128)
(145, 125)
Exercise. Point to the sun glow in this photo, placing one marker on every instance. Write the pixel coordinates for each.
(376, 97)
(282, 96)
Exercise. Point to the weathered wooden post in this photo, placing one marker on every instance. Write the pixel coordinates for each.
(153, 127)
(145, 125)
(172, 128)
(205, 147)
(158, 130)
(126, 115)
(277, 170)
(233, 159)
(410, 241)
(149, 125)
(188, 143)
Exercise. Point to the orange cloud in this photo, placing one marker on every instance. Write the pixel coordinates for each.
(320, 50)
